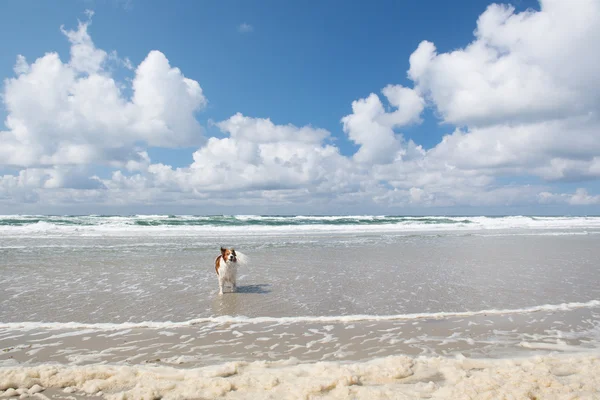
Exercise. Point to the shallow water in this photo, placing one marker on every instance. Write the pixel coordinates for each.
(117, 293)
(152, 277)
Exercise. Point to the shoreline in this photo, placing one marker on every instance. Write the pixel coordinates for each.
(478, 335)
(511, 313)
(393, 377)
(540, 354)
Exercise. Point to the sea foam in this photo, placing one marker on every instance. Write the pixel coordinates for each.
(395, 377)
(226, 319)
(12, 225)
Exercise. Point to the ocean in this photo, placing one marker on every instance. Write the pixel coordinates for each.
(327, 307)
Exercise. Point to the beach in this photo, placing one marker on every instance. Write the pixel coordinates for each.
(327, 307)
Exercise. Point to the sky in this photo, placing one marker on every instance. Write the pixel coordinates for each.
(300, 107)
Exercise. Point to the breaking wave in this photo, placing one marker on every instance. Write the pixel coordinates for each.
(293, 320)
(32, 224)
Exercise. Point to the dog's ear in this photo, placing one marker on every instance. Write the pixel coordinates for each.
(223, 250)
(233, 251)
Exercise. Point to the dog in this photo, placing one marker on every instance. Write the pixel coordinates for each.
(226, 266)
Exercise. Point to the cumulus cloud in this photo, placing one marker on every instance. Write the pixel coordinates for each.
(372, 127)
(75, 113)
(521, 67)
(525, 93)
(521, 110)
(52, 178)
(563, 149)
(580, 197)
(32, 185)
(274, 162)
(521, 99)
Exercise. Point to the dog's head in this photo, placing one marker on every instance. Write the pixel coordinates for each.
(228, 254)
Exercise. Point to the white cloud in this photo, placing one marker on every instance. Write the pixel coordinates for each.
(260, 130)
(526, 93)
(257, 155)
(563, 149)
(525, 67)
(21, 66)
(581, 197)
(32, 185)
(245, 28)
(520, 109)
(85, 57)
(76, 113)
(371, 127)
(524, 97)
(51, 178)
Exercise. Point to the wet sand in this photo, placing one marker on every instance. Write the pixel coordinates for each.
(210, 343)
(410, 356)
(133, 313)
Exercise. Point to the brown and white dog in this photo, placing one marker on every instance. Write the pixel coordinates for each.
(226, 266)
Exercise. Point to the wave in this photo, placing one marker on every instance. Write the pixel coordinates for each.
(38, 224)
(220, 320)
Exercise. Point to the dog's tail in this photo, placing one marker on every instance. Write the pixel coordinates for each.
(242, 259)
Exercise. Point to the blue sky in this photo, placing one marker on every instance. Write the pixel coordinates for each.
(304, 64)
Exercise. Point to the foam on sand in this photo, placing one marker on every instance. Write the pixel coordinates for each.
(398, 377)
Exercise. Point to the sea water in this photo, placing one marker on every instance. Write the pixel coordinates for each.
(333, 306)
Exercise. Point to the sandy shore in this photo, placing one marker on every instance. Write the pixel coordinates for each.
(491, 314)
(396, 377)
(540, 355)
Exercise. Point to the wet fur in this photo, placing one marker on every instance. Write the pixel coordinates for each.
(226, 267)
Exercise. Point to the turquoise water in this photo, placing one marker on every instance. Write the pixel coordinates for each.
(222, 220)
(295, 220)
